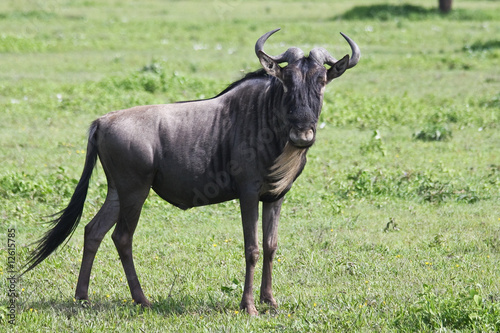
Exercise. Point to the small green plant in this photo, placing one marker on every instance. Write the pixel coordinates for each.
(374, 145)
(433, 190)
(433, 132)
(480, 46)
(154, 67)
(493, 102)
(391, 225)
(363, 183)
(3, 313)
(234, 288)
(437, 242)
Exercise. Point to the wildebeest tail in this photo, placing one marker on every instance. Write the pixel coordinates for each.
(67, 220)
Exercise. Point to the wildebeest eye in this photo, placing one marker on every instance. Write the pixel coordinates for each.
(321, 80)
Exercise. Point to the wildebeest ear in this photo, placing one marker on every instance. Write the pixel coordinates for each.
(338, 68)
(270, 66)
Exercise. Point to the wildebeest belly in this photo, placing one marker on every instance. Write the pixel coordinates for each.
(187, 191)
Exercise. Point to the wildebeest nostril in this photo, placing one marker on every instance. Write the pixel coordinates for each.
(309, 135)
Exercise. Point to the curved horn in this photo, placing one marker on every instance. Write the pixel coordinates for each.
(259, 46)
(323, 57)
(356, 53)
(289, 55)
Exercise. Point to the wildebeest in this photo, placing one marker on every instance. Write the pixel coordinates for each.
(247, 143)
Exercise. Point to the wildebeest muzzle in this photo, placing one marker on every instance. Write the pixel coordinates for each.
(302, 138)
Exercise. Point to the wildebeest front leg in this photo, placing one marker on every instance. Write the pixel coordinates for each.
(270, 218)
(250, 214)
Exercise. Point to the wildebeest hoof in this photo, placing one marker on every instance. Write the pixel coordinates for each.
(250, 309)
(144, 303)
(270, 301)
(83, 302)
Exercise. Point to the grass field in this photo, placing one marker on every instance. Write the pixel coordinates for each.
(393, 226)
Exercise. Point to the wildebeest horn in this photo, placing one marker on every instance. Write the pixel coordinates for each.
(323, 57)
(289, 55)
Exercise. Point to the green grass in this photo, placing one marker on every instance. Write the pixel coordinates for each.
(393, 226)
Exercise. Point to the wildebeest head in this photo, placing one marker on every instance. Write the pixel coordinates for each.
(304, 80)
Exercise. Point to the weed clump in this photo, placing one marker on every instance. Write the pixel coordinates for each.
(422, 186)
(32, 187)
(437, 310)
(433, 132)
(374, 145)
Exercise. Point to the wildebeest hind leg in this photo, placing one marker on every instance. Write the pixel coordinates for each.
(130, 210)
(94, 233)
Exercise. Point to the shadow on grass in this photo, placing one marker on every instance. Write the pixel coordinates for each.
(163, 306)
(30, 14)
(483, 46)
(386, 12)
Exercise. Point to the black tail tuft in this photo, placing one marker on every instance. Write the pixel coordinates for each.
(67, 221)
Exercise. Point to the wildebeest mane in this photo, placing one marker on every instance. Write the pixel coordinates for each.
(260, 73)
